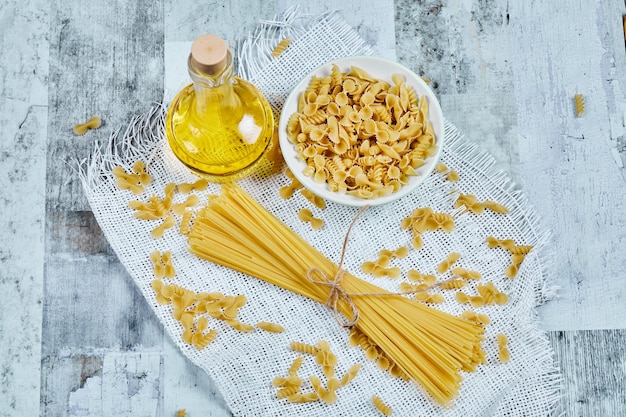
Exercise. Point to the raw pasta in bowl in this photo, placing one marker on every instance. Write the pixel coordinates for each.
(361, 131)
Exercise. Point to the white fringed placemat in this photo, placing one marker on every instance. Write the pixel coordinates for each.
(244, 364)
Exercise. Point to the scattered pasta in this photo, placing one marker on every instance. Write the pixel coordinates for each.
(163, 266)
(290, 385)
(199, 185)
(316, 200)
(287, 191)
(518, 253)
(270, 327)
(306, 216)
(280, 48)
(579, 104)
(453, 176)
(192, 310)
(158, 231)
(466, 274)
(361, 135)
(417, 276)
(94, 123)
(448, 262)
(425, 219)
(381, 406)
(470, 202)
(380, 268)
(503, 351)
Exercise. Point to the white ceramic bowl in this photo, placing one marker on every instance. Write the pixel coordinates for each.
(377, 68)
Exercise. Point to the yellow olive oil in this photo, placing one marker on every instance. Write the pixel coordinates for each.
(220, 126)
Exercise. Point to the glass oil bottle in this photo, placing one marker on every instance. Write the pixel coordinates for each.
(219, 126)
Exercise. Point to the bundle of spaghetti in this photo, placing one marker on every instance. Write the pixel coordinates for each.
(429, 345)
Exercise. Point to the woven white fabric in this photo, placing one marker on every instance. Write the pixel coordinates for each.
(244, 364)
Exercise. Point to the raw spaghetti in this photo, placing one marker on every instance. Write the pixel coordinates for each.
(429, 345)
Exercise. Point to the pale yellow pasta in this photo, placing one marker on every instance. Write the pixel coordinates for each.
(181, 413)
(496, 207)
(453, 176)
(180, 208)
(448, 262)
(401, 252)
(303, 398)
(127, 181)
(461, 297)
(470, 202)
(158, 231)
(199, 185)
(579, 104)
(316, 200)
(295, 365)
(453, 284)
(476, 301)
(350, 374)
(303, 347)
(281, 46)
(380, 405)
(504, 355)
(415, 275)
(441, 167)
(305, 215)
(466, 274)
(270, 327)
(94, 123)
(185, 222)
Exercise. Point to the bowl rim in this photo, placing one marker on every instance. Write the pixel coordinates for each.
(372, 65)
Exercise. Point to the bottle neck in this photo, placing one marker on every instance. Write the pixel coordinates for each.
(213, 88)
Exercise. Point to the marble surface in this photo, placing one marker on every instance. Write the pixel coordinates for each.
(77, 339)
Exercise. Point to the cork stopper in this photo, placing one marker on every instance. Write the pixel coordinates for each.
(210, 54)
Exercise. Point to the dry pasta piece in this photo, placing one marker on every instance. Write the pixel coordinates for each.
(126, 181)
(407, 288)
(180, 208)
(579, 104)
(453, 176)
(441, 167)
(448, 262)
(270, 327)
(350, 374)
(280, 47)
(316, 200)
(181, 413)
(305, 215)
(503, 352)
(496, 207)
(465, 273)
(470, 202)
(185, 222)
(380, 405)
(158, 231)
(163, 265)
(303, 398)
(199, 185)
(417, 276)
(462, 298)
(295, 365)
(287, 191)
(401, 252)
(452, 284)
(94, 123)
(303, 347)
(492, 242)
